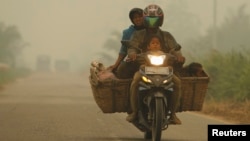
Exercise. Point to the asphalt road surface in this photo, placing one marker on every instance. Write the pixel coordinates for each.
(60, 107)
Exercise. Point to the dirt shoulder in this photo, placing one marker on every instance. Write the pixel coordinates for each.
(238, 113)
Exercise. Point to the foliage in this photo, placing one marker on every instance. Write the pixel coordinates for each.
(229, 74)
(232, 34)
(11, 44)
(228, 63)
(111, 47)
(13, 74)
(235, 30)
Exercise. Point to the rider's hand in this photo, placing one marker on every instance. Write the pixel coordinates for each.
(128, 60)
(132, 56)
(111, 67)
(181, 59)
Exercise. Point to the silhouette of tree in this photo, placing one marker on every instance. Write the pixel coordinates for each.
(233, 33)
(111, 48)
(11, 44)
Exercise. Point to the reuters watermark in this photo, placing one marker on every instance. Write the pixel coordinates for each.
(237, 132)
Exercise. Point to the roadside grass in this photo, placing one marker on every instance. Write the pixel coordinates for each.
(236, 112)
(13, 74)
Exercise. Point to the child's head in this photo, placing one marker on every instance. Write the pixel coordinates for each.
(154, 43)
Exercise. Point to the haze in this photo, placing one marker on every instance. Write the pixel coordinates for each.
(77, 29)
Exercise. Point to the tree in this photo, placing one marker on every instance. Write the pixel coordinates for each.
(111, 48)
(235, 30)
(11, 44)
(233, 33)
(229, 73)
(228, 64)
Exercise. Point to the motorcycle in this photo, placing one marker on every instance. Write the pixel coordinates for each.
(155, 90)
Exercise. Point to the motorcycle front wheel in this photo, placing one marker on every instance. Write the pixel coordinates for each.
(148, 135)
(158, 113)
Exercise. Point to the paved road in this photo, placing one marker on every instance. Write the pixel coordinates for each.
(60, 107)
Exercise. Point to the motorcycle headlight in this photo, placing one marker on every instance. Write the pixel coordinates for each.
(156, 60)
(165, 81)
(145, 79)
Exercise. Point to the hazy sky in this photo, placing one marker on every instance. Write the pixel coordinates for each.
(65, 28)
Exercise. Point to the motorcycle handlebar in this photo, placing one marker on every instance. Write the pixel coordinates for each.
(141, 58)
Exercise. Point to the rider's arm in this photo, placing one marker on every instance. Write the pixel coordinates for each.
(126, 34)
(135, 41)
(174, 47)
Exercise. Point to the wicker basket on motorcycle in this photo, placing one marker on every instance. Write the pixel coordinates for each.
(194, 90)
(111, 95)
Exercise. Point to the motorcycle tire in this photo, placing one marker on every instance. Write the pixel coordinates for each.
(148, 135)
(157, 122)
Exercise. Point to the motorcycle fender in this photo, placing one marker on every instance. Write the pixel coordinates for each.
(156, 95)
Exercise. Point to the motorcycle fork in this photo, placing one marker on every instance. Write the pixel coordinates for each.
(150, 104)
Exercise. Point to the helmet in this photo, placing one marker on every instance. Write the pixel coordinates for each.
(153, 16)
(134, 11)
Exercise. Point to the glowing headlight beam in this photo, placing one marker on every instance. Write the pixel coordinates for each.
(156, 60)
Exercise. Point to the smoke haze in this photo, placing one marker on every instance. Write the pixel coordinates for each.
(77, 29)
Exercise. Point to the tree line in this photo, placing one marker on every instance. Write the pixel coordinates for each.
(228, 62)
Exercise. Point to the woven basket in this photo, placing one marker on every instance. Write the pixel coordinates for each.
(111, 95)
(194, 90)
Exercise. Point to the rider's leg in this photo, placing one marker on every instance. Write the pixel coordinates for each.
(175, 99)
(134, 97)
(122, 70)
(126, 70)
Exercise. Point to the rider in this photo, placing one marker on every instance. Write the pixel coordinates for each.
(153, 19)
(136, 17)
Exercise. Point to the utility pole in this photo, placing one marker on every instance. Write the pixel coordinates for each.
(214, 44)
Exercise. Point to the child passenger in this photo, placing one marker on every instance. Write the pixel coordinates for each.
(154, 43)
